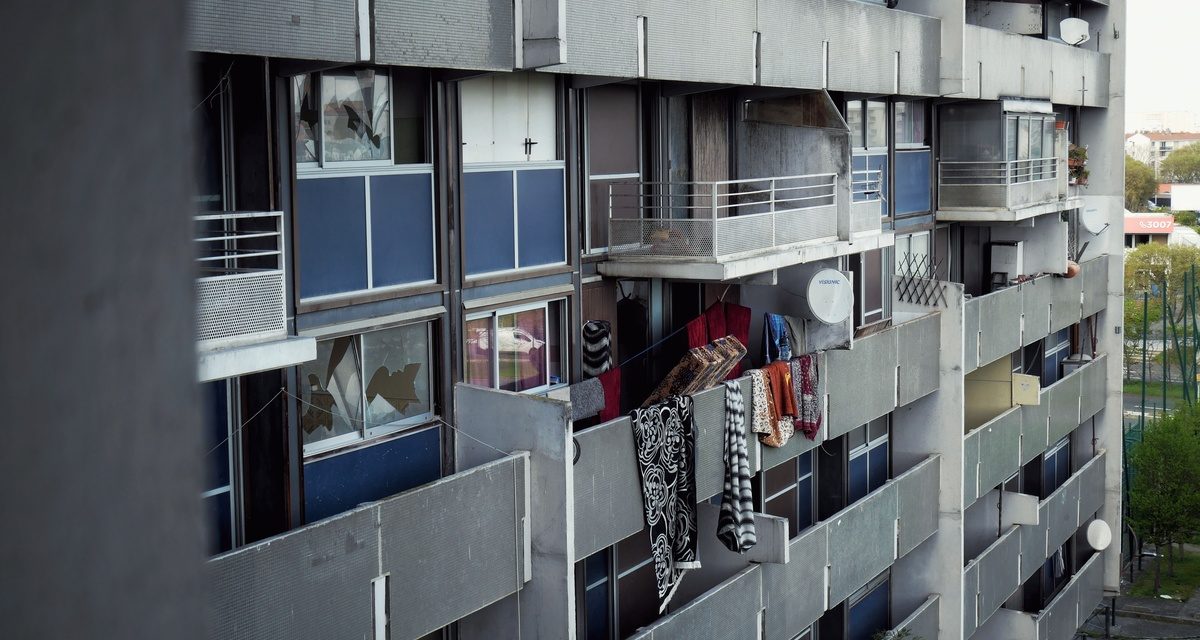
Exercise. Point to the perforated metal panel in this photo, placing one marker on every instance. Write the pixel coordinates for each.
(923, 622)
(467, 34)
(971, 335)
(970, 467)
(276, 28)
(1064, 514)
(454, 547)
(917, 501)
(1035, 306)
(865, 216)
(1094, 273)
(794, 593)
(1066, 302)
(607, 487)
(918, 342)
(709, 425)
(999, 449)
(1064, 406)
(1033, 543)
(611, 51)
(999, 330)
(1091, 488)
(240, 308)
(970, 599)
(315, 582)
(310, 583)
(861, 382)
(1093, 387)
(729, 610)
(1034, 428)
(999, 573)
(862, 541)
(700, 41)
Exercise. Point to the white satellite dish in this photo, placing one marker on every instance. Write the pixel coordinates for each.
(1099, 536)
(829, 296)
(1093, 220)
(1074, 31)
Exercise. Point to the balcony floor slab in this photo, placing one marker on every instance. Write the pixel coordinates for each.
(218, 364)
(988, 214)
(633, 266)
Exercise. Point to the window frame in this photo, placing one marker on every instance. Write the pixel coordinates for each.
(494, 314)
(864, 450)
(591, 178)
(356, 167)
(366, 433)
(796, 480)
(925, 108)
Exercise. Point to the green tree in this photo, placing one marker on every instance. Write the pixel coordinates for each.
(1182, 166)
(1151, 263)
(1140, 185)
(1164, 505)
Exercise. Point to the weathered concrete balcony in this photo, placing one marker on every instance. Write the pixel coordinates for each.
(1005, 65)
(1061, 619)
(992, 577)
(854, 545)
(861, 384)
(241, 314)
(416, 561)
(993, 323)
(997, 449)
(923, 621)
(728, 229)
(1003, 191)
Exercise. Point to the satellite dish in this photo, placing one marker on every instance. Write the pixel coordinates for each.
(1074, 31)
(829, 296)
(1093, 220)
(1099, 536)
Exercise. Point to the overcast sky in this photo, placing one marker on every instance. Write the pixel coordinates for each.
(1162, 55)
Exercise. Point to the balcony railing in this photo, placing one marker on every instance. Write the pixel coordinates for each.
(999, 185)
(866, 200)
(240, 286)
(448, 548)
(718, 220)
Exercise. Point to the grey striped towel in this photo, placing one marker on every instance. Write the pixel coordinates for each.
(735, 524)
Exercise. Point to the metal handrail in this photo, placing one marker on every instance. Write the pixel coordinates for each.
(227, 241)
(961, 173)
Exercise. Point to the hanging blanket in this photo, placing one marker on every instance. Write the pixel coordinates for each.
(666, 445)
(783, 405)
(760, 414)
(700, 369)
(805, 378)
(597, 347)
(735, 525)
(776, 339)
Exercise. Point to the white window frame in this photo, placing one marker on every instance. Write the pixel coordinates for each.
(494, 314)
(365, 432)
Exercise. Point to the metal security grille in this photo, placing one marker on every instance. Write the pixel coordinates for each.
(240, 290)
(720, 219)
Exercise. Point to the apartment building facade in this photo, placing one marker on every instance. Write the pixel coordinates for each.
(406, 213)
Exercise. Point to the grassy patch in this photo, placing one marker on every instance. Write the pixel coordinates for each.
(1154, 390)
(1180, 586)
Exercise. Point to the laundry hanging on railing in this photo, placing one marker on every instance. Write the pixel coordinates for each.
(610, 382)
(761, 410)
(783, 404)
(597, 347)
(719, 320)
(665, 442)
(805, 382)
(700, 368)
(776, 343)
(735, 524)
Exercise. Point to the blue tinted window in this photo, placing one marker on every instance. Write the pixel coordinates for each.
(216, 429)
(488, 233)
(596, 595)
(220, 522)
(878, 466)
(541, 217)
(331, 214)
(859, 484)
(869, 615)
(341, 482)
(805, 515)
(401, 229)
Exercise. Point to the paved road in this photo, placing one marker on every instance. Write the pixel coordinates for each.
(1133, 402)
(1139, 629)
